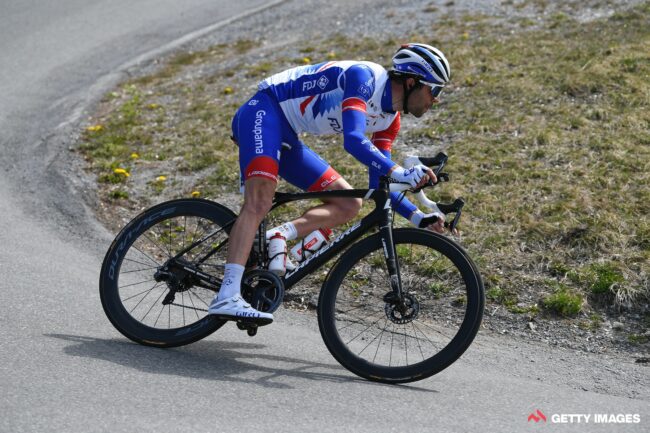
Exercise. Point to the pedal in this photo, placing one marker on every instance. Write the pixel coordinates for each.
(250, 328)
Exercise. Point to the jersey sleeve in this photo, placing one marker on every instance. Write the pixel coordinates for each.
(358, 88)
(383, 140)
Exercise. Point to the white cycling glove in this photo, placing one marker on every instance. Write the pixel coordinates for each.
(423, 220)
(412, 175)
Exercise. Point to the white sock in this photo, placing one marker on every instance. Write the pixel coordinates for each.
(231, 285)
(288, 230)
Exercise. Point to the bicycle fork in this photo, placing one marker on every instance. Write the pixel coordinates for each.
(390, 254)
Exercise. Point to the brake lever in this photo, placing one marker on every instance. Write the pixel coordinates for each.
(455, 207)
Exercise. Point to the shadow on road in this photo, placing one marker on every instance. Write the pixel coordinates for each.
(213, 360)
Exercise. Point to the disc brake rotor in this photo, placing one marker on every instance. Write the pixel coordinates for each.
(402, 313)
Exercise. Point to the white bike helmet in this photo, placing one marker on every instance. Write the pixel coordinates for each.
(423, 62)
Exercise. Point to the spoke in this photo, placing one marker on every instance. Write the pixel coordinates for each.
(406, 348)
(156, 245)
(140, 263)
(364, 330)
(144, 254)
(371, 341)
(432, 328)
(425, 336)
(392, 337)
(143, 298)
(380, 337)
(195, 235)
(139, 270)
(351, 309)
(206, 247)
(354, 321)
(184, 229)
(141, 282)
(201, 299)
(183, 309)
(415, 332)
(152, 305)
(170, 239)
(189, 295)
(138, 294)
(156, 229)
(161, 310)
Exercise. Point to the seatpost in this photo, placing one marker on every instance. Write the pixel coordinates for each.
(386, 233)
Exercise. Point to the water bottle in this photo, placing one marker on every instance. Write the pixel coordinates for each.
(310, 244)
(278, 254)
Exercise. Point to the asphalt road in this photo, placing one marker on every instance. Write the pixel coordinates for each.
(64, 368)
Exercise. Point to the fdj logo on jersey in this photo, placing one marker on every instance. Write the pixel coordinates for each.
(321, 82)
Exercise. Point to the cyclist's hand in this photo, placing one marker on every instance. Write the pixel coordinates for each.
(435, 222)
(416, 176)
(437, 226)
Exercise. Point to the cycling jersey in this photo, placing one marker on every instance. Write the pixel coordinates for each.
(346, 97)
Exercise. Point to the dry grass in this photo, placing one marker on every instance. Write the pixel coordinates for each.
(548, 131)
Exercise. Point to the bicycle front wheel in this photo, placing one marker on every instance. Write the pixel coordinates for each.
(380, 339)
(150, 291)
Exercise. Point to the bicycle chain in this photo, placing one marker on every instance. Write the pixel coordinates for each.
(191, 308)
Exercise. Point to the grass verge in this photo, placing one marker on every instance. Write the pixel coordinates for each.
(547, 127)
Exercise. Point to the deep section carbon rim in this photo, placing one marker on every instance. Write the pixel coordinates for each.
(384, 339)
(151, 295)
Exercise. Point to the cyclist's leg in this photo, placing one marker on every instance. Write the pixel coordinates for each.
(315, 174)
(257, 130)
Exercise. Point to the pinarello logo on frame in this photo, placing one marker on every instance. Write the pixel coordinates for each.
(537, 416)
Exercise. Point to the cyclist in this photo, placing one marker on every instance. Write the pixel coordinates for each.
(346, 97)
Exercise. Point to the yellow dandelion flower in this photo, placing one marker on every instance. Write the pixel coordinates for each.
(195, 194)
(161, 178)
(228, 90)
(306, 60)
(135, 156)
(153, 106)
(465, 36)
(95, 128)
(122, 172)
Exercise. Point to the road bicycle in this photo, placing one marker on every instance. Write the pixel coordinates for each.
(398, 305)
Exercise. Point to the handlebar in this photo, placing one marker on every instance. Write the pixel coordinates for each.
(438, 162)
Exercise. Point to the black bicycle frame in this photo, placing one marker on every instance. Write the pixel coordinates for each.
(381, 216)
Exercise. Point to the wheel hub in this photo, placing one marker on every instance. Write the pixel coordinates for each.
(402, 312)
(175, 276)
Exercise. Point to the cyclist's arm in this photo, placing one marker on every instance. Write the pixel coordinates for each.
(383, 140)
(357, 89)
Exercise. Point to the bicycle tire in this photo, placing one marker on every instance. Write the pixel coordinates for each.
(140, 245)
(352, 307)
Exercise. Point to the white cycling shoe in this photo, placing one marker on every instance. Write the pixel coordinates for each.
(236, 308)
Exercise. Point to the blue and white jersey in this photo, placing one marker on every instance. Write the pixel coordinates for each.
(352, 98)
(314, 97)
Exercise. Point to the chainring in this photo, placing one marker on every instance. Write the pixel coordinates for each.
(262, 289)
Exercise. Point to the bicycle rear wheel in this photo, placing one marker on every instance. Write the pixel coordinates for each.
(374, 337)
(152, 299)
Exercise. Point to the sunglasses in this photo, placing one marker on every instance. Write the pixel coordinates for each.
(436, 89)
